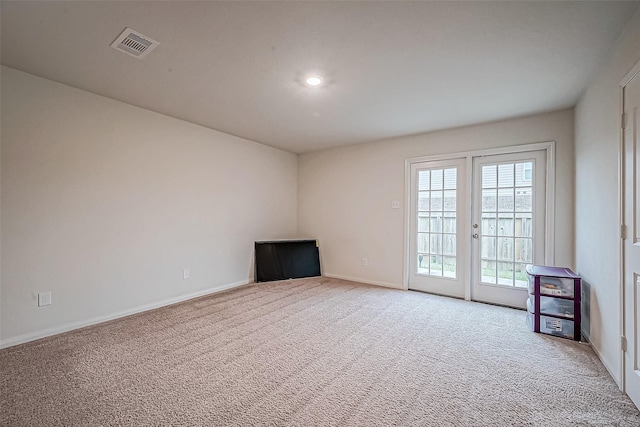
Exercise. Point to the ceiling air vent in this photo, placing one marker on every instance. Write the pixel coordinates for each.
(133, 43)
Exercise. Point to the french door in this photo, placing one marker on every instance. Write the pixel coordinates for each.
(472, 237)
(438, 227)
(508, 226)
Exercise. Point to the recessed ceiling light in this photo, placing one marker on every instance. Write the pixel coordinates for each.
(314, 80)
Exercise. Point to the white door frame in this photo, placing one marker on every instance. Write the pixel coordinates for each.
(549, 147)
(621, 214)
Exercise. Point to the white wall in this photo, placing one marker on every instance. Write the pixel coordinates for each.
(597, 125)
(345, 194)
(104, 204)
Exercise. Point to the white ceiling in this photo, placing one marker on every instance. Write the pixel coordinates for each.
(392, 68)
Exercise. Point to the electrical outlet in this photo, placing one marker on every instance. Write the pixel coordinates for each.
(186, 273)
(395, 204)
(44, 298)
(365, 262)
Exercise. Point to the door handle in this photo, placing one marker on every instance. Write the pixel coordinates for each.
(475, 235)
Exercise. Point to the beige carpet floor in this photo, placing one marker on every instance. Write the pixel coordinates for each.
(311, 352)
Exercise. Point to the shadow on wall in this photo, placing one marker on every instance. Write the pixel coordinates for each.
(585, 309)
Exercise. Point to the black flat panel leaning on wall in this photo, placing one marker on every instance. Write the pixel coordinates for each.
(286, 259)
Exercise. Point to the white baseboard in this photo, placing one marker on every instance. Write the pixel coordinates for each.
(32, 336)
(605, 363)
(361, 280)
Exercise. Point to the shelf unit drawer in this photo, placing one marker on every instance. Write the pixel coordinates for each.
(564, 328)
(552, 306)
(553, 286)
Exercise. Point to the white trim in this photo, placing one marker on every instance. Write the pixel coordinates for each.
(617, 380)
(621, 249)
(366, 281)
(32, 336)
(550, 208)
(407, 223)
(630, 75)
(469, 273)
(484, 152)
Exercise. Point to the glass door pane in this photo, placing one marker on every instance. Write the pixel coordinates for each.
(436, 219)
(506, 238)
